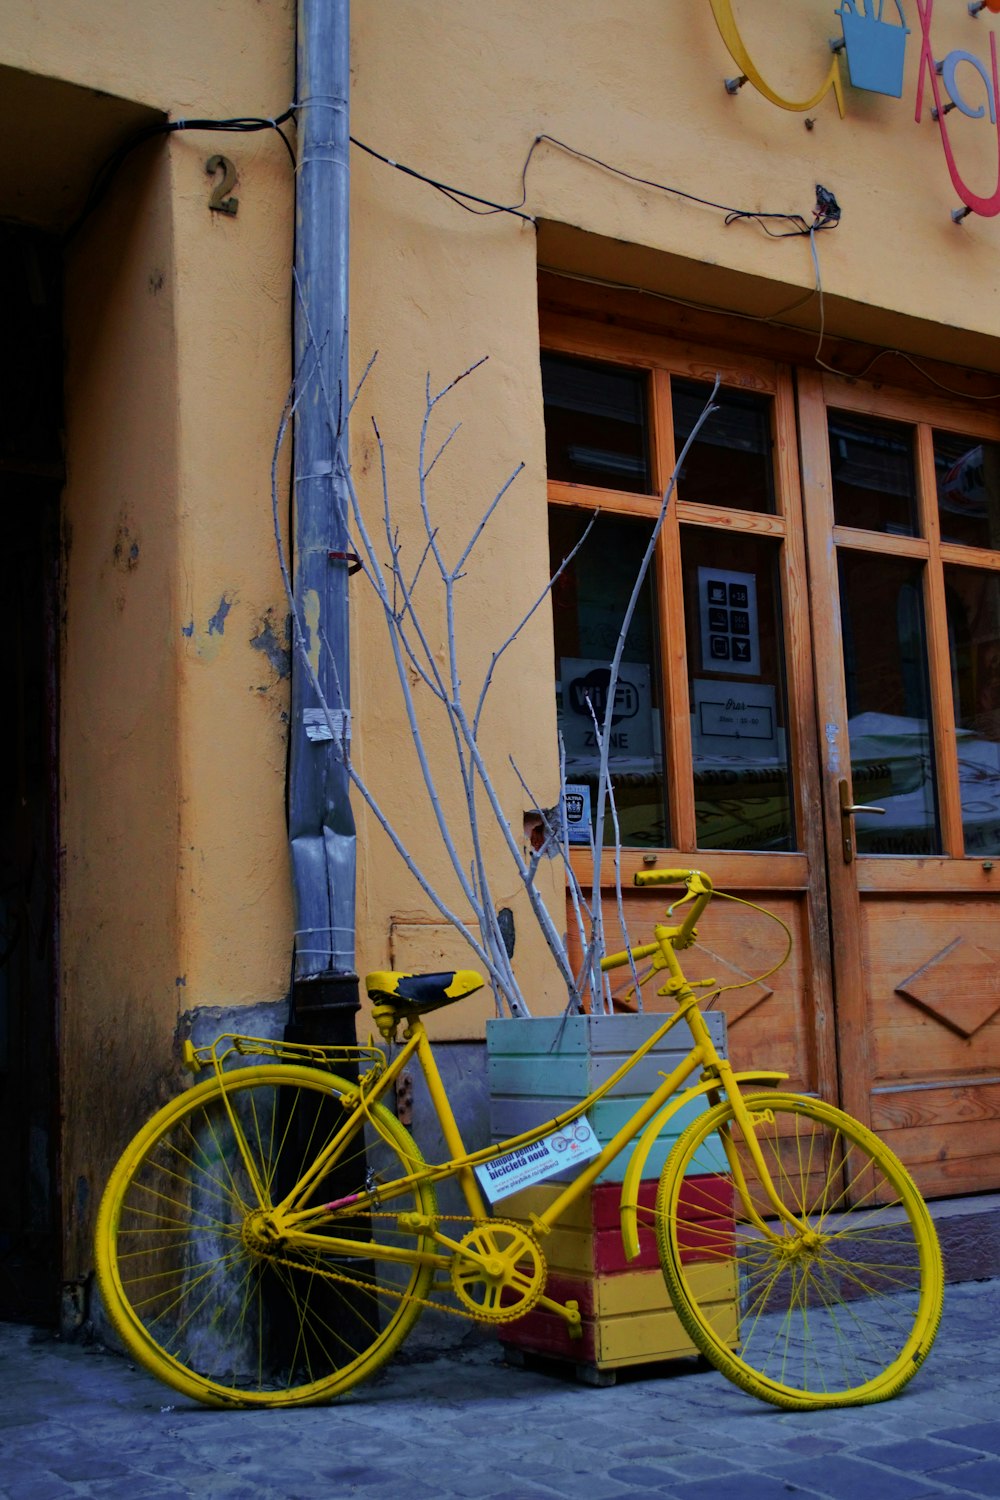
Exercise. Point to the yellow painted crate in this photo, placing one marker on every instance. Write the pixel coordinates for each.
(627, 1315)
(627, 1318)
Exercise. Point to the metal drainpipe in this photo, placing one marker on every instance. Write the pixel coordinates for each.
(321, 823)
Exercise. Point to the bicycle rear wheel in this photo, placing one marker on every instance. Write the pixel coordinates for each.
(839, 1311)
(196, 1292)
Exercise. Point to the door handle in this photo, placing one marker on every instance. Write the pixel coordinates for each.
(847, 810)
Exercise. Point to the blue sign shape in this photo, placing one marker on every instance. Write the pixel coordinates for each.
(950, 81)
(876, 47)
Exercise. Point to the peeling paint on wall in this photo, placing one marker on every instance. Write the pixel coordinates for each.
(276, 649)
(188, 629)
(125, 553)
(217, 623)
(310, 626)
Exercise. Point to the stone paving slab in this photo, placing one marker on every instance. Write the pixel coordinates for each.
(76, 1420)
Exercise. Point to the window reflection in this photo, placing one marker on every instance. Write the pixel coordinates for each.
(730, 462)
(888, 703)
(589, 600)
(968, 490)
(595, 424)
(973, 600)
(874, 484)
(742, 780)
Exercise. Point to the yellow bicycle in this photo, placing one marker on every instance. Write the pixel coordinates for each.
(271, 1236)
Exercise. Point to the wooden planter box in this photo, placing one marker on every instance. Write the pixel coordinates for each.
(539, 1067)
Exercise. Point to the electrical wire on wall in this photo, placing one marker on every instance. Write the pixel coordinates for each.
(879, 353)
(826, 215)
(238, 125)
(778, 224)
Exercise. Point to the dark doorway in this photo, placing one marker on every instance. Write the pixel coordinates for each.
(30, 485)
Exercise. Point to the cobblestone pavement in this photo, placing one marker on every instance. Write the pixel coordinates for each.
(77, 1420)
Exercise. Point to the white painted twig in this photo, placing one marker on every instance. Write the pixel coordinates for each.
(616, 661)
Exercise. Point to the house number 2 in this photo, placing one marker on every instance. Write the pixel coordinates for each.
(218, 202)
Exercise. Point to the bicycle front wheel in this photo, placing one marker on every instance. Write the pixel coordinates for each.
(838, 1308)
(214, 1306)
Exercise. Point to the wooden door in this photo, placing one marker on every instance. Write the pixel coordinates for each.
(902, 499)
(861, 530)
(715, 760)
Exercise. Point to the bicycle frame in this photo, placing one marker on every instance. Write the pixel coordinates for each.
(716, 1079)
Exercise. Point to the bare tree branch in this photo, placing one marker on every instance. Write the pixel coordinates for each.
(414, 654)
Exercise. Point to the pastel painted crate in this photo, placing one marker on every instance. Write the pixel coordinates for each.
(627, 1318)
(539, 1067)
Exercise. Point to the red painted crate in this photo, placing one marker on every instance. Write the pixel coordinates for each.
(627, 1315)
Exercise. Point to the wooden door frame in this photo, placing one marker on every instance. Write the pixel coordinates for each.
(831, 707)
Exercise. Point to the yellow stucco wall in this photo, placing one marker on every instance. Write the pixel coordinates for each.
(175, 887)
(176, 890)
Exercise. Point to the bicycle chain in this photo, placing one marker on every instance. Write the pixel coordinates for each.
(381, 1289)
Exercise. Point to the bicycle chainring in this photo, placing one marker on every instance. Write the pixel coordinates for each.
(499, 1272)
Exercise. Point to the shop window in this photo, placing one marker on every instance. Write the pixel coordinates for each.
(729, 463)
(874, 482)
(596, 427)
(588, 603)
(730, 731)
(888, 703)
(728, 711)
(742, 777)
(974, 644)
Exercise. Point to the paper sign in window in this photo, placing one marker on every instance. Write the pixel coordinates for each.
(730, 639)
(735, 719)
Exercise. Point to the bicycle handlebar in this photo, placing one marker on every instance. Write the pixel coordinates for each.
(699, 887)
(668, 877)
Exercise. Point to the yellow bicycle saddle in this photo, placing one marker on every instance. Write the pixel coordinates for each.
(413, 994)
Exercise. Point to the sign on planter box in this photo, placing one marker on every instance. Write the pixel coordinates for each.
(570, 1146)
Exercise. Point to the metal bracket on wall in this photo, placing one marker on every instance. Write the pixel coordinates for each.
(351, 558)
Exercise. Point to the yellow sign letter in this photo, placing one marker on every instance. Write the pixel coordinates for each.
(722, 10)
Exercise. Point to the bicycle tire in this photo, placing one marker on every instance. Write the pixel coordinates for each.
(195, 1299)
(842, 1319)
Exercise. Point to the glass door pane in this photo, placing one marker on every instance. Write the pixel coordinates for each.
(589, 600)
(729, 463)
(596, 428)
(968, 489)
(874, 481)
(888, 703)
(973, 603)
(736, 666)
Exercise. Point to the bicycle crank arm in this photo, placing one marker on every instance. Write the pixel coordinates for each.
(568, 1311)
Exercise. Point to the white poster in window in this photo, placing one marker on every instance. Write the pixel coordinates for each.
(584, 687)
(727, 604)
(735, 720)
